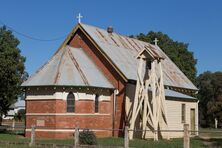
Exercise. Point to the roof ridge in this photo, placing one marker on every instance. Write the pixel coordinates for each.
(57, 76)
(119, 34)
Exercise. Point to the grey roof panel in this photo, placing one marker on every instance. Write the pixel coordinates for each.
(123, 50)
(69, 66)
(174, 94)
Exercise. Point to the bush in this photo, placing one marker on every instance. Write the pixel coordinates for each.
(20, 115)
(3, 129)
(87, 137)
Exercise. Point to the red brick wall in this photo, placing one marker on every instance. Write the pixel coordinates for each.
(89, 119)
(50, 121)
(84, 121)
(41, 106)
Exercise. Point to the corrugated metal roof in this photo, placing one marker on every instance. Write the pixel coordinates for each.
(123, 50)
(175, 94)
(69, 66)
(18, 103)
(72, 66)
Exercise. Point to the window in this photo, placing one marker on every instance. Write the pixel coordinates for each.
(70, 103)
(183, 113)
(97, 103)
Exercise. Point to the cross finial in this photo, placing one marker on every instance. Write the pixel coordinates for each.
(155, 41)
(79, 18)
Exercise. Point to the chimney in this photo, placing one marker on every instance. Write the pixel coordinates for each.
(110, 29)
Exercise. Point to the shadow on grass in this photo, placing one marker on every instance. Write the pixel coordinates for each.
(214, 142)
(4, 130)
(211, 142)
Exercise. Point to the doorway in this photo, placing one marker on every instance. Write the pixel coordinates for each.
(192, 121)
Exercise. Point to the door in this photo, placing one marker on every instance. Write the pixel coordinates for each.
(192, 120)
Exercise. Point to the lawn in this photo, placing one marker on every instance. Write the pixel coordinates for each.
(210, 133)
(21, 138)
(137, 143)
(208, 138)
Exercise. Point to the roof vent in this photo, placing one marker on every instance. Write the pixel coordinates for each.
(110, 29)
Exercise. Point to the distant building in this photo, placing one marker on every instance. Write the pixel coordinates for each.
(90, 82)
(14, 108)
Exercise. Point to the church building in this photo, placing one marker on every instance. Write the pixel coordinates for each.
(94, 81)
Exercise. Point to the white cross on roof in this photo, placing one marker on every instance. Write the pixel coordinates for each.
(79, 18)
(155, 41)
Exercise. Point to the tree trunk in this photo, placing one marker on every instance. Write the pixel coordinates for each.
(0, 119)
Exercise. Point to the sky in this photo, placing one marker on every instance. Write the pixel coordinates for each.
(196, 22)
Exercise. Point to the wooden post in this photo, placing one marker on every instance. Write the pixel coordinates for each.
(13, 124)
(32, 143)
(126, 137)
(136, 98)
(76, 137)
(215, 120)
(186, 139)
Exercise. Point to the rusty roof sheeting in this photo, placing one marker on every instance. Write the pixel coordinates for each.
(123, 50)
(69, 66)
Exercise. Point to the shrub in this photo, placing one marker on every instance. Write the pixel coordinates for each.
(20, 115)
(3, 129)
(87, 137)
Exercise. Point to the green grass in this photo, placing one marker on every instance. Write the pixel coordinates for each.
(56, 141)
(173, 143)
(20, 138)
(110, 141)
(13, 137)
(137, 143)
(210, 132)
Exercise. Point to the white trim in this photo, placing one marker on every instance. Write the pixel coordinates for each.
(104, 98)
(57, 130)
(32, 99)
(63, 96)
(50, 130)
(66, 114)
(41, 97)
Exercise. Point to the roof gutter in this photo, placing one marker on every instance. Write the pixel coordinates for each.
(65, 86)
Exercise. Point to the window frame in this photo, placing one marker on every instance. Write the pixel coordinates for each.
(70, 108)
(183, 113)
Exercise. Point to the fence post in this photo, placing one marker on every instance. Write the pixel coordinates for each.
(216, 121)
(126, 137)
(32, 143)
(76, 137)
(13, 124)
(186, 138)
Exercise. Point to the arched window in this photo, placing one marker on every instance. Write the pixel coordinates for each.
(97, 103)
(70, 103)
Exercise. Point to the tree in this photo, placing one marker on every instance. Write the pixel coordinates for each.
(177, 51)
(210, 96)
(20, 115)
(12, 70)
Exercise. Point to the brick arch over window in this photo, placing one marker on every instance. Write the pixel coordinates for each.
(70, 103)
